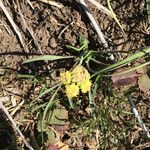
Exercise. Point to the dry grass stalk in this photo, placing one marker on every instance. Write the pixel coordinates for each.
(53, 3)
(15, 126)
(29, 30)
(138, 117)
(15, 27)
(96, 27)
(29, 2)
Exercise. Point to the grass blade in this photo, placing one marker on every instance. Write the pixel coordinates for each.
(46, 57)
(125, 61)
(47, 91)
(116, 19)
(48, 105)
(129, 70)
(148, 10)
(92, 103)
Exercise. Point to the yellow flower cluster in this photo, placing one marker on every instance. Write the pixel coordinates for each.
(76, 80)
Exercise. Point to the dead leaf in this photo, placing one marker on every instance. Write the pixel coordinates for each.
(144, 83)
(58, 146)
(52, 147)
(142, 70)
(62, 128)
(144, 80)
(124, 79)
(62, 146)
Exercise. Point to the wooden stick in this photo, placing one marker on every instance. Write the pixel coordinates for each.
(15, 126)
(15, 27)
(96, 27)
(29, 30)
(29, 2)
(137, 116)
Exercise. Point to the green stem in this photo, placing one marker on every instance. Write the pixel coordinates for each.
(48, 105)
(125, 61)
(71, 103)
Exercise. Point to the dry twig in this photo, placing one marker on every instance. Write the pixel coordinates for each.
(29, 2)
(137, 116)
(53, 3)
(5, 26)
(12, 23)
(96, 27)
(29, 30)
(15, 126)
(65, 29)
(17, 108)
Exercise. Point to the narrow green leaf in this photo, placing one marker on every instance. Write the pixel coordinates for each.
(148, 10)
(47, 91)
(37, 107)
(129, 70)
(92, 103)
(46, 57)
(116, 19)
(125, 61)
(27, 76)
(40, 127)
(48, 105)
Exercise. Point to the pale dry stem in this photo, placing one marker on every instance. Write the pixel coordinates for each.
(15, 126)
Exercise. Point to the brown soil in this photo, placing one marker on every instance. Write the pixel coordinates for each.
(54, 28)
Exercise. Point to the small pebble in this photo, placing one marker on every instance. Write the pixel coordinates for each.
(53, 43)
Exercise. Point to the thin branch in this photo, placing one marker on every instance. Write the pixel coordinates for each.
(29, 2)
(5, 27)
(29, 30)
(15, 27)
(65, 29)
(31, 33)
(15, 126)
(137, 116)
(96, 27)
(53, 3)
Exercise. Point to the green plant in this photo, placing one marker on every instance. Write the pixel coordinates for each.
(101, 116)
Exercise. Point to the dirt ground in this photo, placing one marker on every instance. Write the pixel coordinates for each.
(54, 28)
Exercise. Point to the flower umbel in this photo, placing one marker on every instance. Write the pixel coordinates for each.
(75, 80)
(86, 86)
(65, 77)
(72, 90)
(79, 74)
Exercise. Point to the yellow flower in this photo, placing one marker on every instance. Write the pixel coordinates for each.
(72, 90)
(85, 86)
(79, 74)
(76, 80)
(65, 77)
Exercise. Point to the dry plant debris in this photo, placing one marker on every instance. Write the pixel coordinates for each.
(139, 76)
